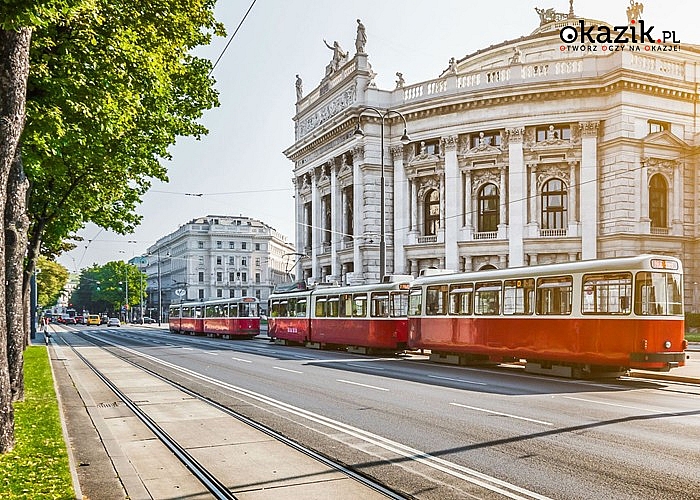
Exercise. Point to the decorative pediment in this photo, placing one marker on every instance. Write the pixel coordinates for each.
(423, 157)
(660, 166)
(664, 138)
(426, 184)
(485, 176)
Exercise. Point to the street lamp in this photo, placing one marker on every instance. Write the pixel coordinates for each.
(404, 140)
(160, 309)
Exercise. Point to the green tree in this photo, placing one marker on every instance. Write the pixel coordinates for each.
(103, 289)
(51, 280)
(112, 85)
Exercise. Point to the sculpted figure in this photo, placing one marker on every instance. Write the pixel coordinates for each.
(299, 89)
(338, 55)
(361, 39)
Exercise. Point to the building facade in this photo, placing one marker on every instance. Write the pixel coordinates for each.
(530, 151)
(216, 257)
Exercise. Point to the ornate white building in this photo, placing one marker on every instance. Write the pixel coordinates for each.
(216, 256)
(535, 150)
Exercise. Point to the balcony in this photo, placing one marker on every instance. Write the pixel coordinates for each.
(552, 233)
(486, 235)
(659, 231)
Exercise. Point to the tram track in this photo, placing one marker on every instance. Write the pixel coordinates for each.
(216, 487)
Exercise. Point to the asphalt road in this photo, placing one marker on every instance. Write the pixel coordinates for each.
(434, 431)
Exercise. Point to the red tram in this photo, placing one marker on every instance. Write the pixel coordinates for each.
(362, 318)
(572, 319)
(226, 318)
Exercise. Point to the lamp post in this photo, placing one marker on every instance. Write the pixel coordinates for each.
(404, 140)
(160, 311)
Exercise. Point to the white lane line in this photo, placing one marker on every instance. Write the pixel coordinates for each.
(242, 360)
(456, 380)
(213, 353)
(362, 385)
(502, 414)
(286, 369)
(610, 404)
(365, 366)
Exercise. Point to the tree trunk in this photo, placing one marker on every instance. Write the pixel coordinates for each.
(14, 68)
(16, 229)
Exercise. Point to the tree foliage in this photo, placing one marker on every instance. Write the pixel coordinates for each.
(105, 289)
(51, 280)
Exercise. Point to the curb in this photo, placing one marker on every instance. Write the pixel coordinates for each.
(668, 378)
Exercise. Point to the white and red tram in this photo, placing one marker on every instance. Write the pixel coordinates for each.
(571, 319)
(228, 318)
(361, 318)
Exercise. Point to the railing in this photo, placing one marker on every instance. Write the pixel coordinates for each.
(485, 235)
(659, 231)
(427, 239)
(549, 233)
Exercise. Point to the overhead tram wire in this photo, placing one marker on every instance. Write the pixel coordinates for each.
(231, 39)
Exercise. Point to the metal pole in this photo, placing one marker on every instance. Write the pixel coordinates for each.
(141, 289)
(159, 294)
(126, 292)
(32, 330)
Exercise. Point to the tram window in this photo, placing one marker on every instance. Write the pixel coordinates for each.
(658, 294)
(320, 307)
(379, 305)
(518, 296)
(332, 306)
(210, 311)
(186, 312)
(415, 296)
(359, 305)
(461, 298)
(487, 298)
(233, 310)
(399, 304)
(198, 312)
(554, 295)
(291, 305)
(345, 305)
(275, 309)
(300, 308)
(607, 293)
(436, 300)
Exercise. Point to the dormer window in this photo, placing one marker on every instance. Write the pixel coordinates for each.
(658, 126)
(553, 132)
(431, 147)
(487, 138)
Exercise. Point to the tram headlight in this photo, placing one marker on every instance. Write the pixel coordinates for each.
(667, 344)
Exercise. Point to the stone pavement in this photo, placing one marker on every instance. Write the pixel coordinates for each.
(114, 456)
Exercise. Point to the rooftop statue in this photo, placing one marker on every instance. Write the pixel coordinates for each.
(339, 57)
(361, 39)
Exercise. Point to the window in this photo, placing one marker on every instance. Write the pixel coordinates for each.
(200, 244)
(658, 294)
(461, 298)
(300, 308)
(431, 147)
(232, 276)
(219, 292)
(244, 245)
(414, 301)
(359, 305)
(244, 262)
(432, 212)
(320, 307)
(518, 296)
(231, 261)
(200, 293)
(554, 203)
(487, 297)
(244, 292)
(257, 277)
(257, 261)
(218, 261)
(200, 276)
(436, 300)
(554, 295)
(219, 244)
(219, 276)
(553, 132)
(488, 208)
(326, 207)
(349, 221)
(257, 294)
(399, 304)
(658, 126)
(231, 293)
(607, 293)
(257, 246)
(658, 201)
(345, 305)
(244, 277)
(379, 305)
(489, 138)
(332, 305)
(232, 245)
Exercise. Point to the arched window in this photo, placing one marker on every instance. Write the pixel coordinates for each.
(488, 208)
(431, 212)
(554, 205)
(658, 201)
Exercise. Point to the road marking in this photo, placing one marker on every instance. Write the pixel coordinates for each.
(243, 360)
(213, 353)
(456, 380)
(286, 369)
(362, 385)
(609, 404)
(365, 366)
(502, 414)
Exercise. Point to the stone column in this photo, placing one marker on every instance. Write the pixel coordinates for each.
(414, 206)
(358, 156)
(300, 223)
(316, 214)
(451, 190)
(503, 205)
(534, 195)
(676, 219)
(589, 189)
(643, 204)
(401, 210)
(336, 214)
(517, 180)
(573, 200)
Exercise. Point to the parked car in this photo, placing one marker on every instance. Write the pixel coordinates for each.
(114, 322)
(93, 319)
(148, 320)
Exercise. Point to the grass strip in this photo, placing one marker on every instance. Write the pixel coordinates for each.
(38, 465)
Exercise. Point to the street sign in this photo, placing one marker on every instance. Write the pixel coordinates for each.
(180, 292)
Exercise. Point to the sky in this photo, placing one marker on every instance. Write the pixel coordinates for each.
(239, 168)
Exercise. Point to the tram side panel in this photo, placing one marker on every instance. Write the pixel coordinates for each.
(373, 333)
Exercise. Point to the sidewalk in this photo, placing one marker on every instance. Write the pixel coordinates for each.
(115, 456)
